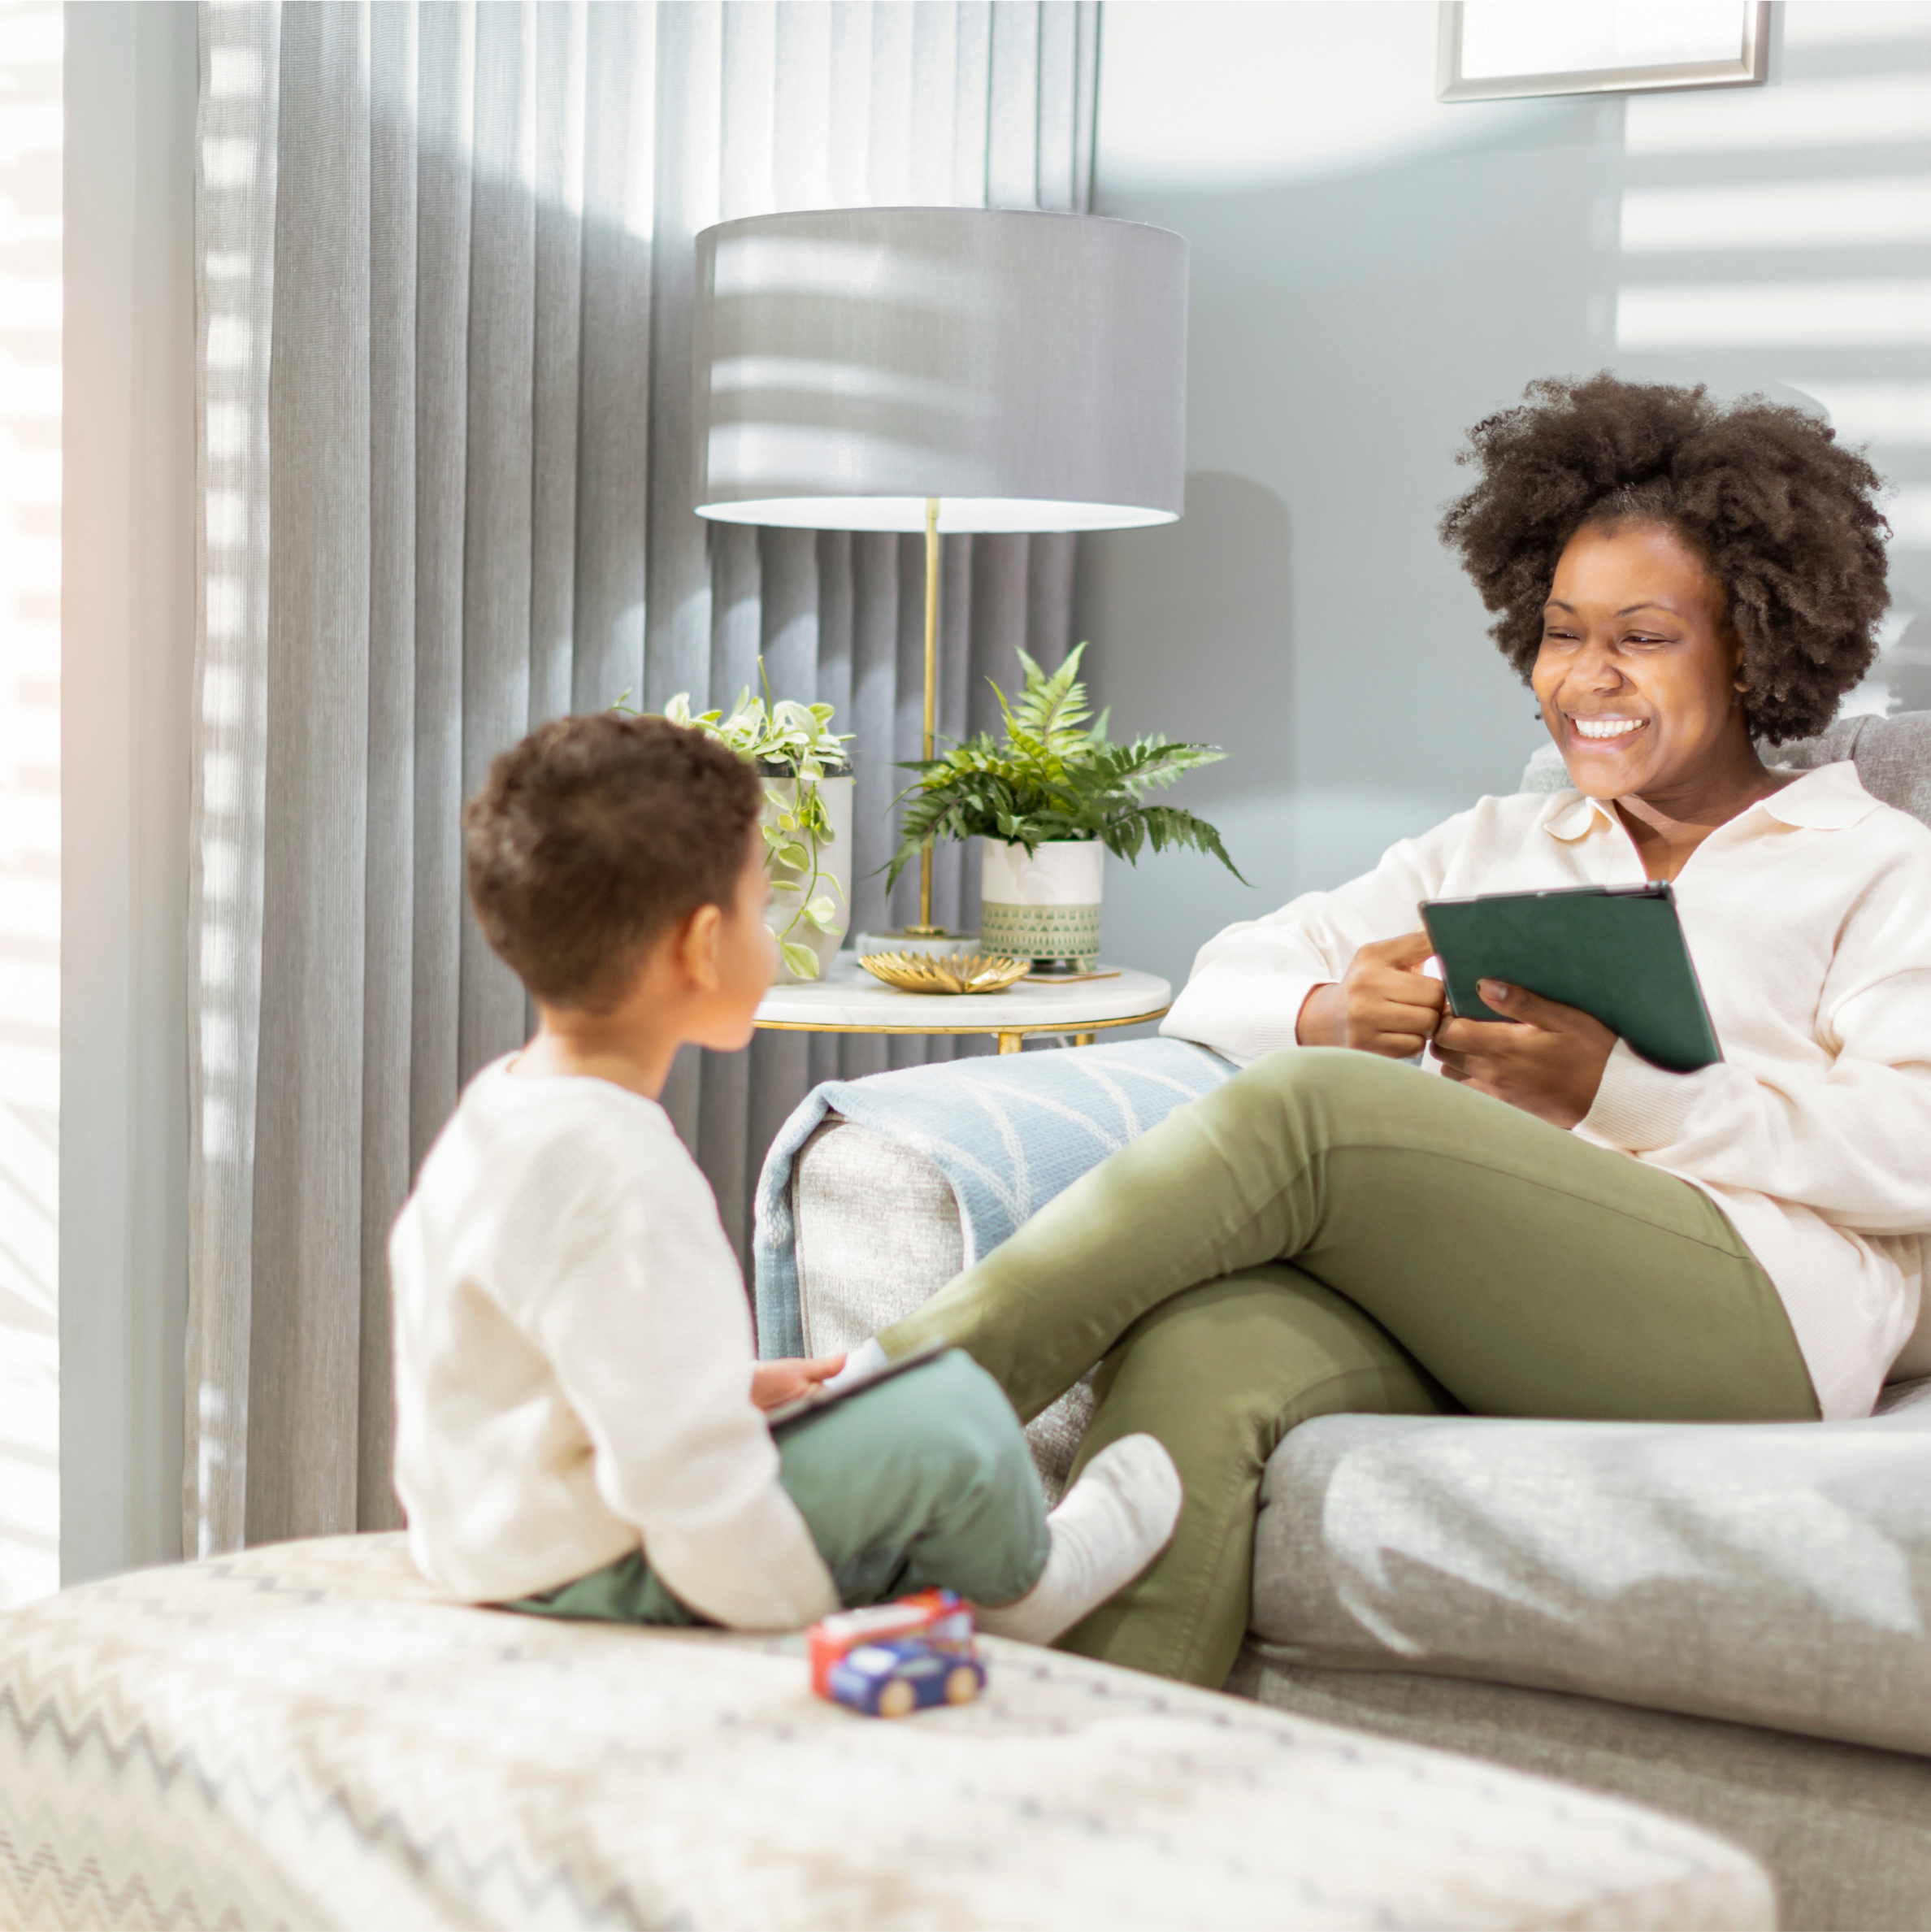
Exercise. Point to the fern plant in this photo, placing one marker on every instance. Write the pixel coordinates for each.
(1054, 775)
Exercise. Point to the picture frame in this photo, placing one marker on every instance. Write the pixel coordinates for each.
(1598, 47)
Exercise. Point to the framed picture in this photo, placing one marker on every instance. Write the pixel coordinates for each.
(1496, 50)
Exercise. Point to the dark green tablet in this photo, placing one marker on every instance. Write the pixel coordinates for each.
(1615, 951)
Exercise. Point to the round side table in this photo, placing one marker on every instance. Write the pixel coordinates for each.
(848, 999)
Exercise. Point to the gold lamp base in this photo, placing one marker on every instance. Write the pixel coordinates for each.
(963, 973)
(935, 943)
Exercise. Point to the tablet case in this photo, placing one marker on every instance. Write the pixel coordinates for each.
(1615, 951)
(820, 1398)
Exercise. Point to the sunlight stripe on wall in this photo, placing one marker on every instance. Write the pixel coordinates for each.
(1888, 414)
(1861, 211)
(1859, 314)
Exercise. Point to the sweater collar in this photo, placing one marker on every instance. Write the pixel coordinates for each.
(1826, 798)
(1570, 815)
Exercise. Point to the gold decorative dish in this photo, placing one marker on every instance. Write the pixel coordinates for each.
(959, 973)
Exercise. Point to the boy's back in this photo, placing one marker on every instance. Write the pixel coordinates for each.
(579, 1420)
(573, 1362)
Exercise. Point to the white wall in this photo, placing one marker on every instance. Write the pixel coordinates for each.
(1372, 273)
(127, 623)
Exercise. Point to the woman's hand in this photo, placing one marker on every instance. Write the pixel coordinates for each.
(1545, 1058)
(774, 1382)
(1385, 1004)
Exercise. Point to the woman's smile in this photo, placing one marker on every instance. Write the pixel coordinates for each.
(1606, 734)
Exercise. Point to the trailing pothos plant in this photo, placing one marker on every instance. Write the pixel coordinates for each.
(787, 740)
(1053, 775)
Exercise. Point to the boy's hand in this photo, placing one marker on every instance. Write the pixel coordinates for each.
(773, 1382)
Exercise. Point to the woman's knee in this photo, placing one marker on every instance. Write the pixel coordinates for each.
(1327, 1093)
(1332, 1073)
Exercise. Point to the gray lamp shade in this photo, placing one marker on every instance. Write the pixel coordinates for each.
(1027, 370)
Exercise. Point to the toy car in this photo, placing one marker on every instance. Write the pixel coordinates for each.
(935, 1617)
(891, 1680)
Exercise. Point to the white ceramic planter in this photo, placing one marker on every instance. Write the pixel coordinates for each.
(835, 872)
(1044, 906)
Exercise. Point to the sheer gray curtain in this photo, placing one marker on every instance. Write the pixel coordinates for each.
(444, 269)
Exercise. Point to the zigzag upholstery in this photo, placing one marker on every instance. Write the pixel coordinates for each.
(306, 1737)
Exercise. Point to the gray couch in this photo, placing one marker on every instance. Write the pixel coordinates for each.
(1729, 1624)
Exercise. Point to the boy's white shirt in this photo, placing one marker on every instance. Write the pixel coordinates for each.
(574, 1356)
(1809, 918)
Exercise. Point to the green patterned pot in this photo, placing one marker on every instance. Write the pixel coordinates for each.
(1044, 907)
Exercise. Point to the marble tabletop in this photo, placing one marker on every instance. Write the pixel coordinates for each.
(848, 999)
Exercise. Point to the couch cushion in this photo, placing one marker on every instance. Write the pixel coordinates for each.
(1845, 1829)
(1893, 757)
(1774, 1575)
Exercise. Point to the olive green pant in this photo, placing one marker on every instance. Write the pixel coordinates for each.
(923, 1483)
(1330, 1231)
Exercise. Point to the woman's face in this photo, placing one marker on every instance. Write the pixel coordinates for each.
(1637, 674)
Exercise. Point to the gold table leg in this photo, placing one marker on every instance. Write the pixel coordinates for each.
(1011, 1043)
(1082, 1039)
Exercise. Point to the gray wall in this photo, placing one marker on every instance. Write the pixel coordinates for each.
(1372, 273)
(128, 648)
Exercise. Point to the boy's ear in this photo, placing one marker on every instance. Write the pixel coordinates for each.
(696, 949)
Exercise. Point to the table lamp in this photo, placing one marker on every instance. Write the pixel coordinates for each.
(942, 370)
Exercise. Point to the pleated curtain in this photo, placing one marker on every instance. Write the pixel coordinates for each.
(444, 267)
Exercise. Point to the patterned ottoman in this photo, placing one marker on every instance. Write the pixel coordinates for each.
(307, 1736)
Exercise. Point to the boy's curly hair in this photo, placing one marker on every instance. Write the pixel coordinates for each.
(1784, 518)
(594, 836)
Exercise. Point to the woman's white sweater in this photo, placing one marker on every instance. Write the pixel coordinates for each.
(1809, 918)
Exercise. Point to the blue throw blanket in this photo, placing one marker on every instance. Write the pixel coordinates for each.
(1009, 1133)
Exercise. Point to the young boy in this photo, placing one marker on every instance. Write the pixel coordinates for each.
(579, 1430)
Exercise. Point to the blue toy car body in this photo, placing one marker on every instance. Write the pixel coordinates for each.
(893, 1680)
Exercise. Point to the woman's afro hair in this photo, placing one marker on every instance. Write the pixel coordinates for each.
(1786, 518)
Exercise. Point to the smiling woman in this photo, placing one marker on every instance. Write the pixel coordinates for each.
(1638, 678)
(1556, 1227)
(1675, 580)
(1781, 517)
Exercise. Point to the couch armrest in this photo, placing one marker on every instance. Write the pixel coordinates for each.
(877, 1234)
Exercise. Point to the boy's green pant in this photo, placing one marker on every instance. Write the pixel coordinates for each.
(923, 1483)
(1330, 1231)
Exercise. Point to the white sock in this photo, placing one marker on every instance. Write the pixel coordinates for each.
(1116, 1519)
(861, 1361)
